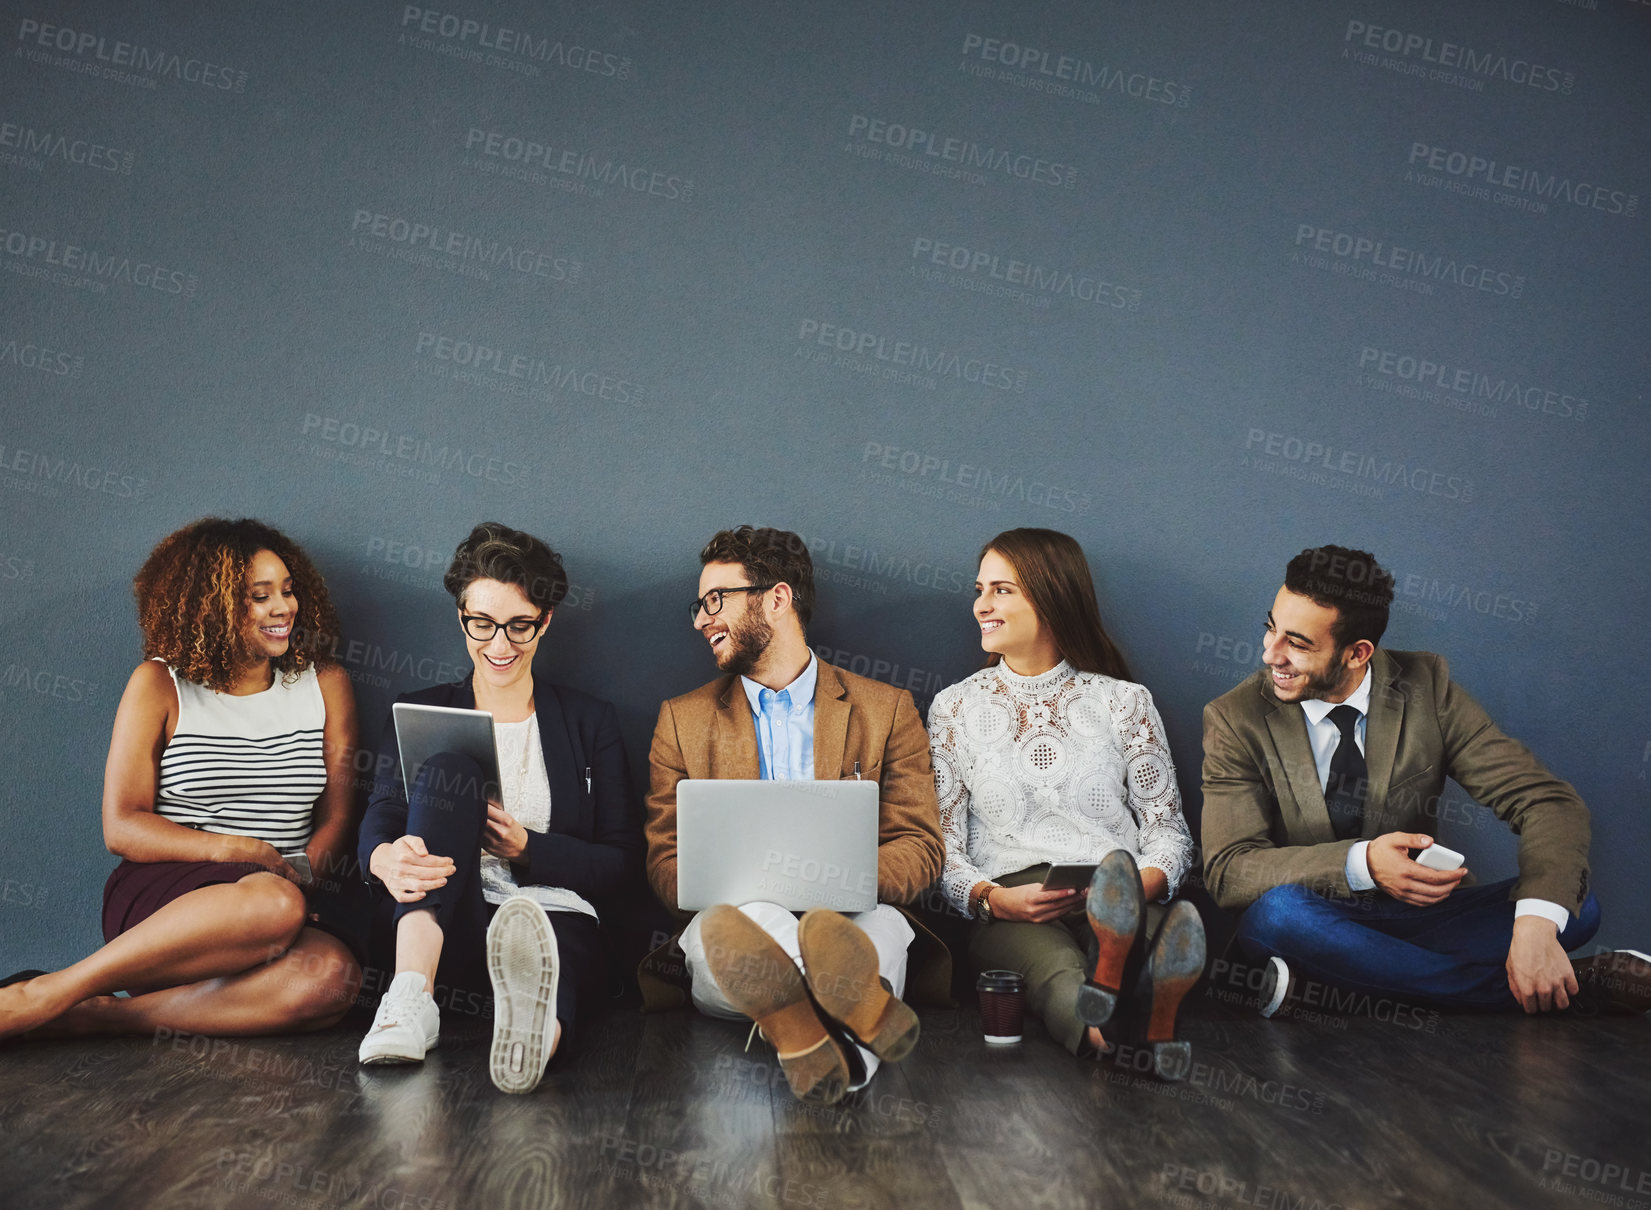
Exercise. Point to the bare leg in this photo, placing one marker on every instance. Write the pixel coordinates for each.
(210, 932)
(309, 987)
(418, 946)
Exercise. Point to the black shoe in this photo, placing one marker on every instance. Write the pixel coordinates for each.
(1174, 964)
(1617, 981)
(1118, 921)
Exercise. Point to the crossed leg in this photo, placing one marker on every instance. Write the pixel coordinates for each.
(234, 958)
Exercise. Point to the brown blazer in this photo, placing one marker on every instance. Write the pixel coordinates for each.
(710, 733)
(1265, 823)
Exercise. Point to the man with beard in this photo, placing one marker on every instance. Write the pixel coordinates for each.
(825, 990)
(1325, 770)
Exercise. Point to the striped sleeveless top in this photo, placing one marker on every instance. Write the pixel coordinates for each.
(246, 766)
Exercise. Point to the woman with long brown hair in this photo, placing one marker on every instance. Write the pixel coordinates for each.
(230, 760)
(1051, 754)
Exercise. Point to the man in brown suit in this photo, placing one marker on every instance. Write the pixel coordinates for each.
(1325, 770)
(818, 985)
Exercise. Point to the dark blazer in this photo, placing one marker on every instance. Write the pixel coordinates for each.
(594, 846)
(1265, 823)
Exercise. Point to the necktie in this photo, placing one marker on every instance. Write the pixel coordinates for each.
(1344, 788)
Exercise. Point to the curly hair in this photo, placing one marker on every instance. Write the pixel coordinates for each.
(1349, 581)
(191, 594)
(768, 556)
(510, 556)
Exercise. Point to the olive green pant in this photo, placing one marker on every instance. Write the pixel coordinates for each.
(1050, 956)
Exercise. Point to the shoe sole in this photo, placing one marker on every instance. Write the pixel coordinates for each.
(761, 981)
(840, 967)
(1114, 908)
(1281, 988)
(387, 1058)
(1172, 969)
(523, 965)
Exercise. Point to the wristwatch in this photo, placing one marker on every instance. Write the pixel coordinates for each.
(983, 905)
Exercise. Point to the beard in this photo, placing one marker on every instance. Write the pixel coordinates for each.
(1321, 684)
(748, 639)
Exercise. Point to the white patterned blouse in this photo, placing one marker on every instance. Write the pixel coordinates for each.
(1061, 767)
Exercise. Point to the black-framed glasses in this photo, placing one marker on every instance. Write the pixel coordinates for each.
(517, 630)
(711, 602)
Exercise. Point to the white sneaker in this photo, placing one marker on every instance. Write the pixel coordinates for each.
(406, 1025)
(522, 962)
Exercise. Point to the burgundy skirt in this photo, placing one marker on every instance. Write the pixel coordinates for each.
(137, 890)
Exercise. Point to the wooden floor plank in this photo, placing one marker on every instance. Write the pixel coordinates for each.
(1366, 1109)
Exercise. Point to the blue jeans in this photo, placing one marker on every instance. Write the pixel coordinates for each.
(1452, 954)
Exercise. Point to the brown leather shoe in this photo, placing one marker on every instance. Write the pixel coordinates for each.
(1118, 921)
(840, 964)
(1617, 981)
(761, 981)
(1174, 963)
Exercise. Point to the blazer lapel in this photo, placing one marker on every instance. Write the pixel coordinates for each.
(1381, 741)
(831, 711)
(569, 809)
(734, 736)
(1305, 815)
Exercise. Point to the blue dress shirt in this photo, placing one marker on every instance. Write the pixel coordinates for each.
(785, 725)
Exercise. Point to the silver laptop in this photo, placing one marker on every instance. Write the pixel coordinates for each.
(800, 844)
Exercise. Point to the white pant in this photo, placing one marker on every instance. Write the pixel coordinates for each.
(889, 931)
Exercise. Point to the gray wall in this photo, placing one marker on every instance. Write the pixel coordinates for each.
(1199, 283)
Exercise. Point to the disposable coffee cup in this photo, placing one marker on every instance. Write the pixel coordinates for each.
(1002, 1006)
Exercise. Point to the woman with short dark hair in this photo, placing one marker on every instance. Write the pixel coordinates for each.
(228, 769)
(502, 884)
(1051, 754)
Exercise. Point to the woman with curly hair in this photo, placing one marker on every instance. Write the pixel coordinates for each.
(230, 754)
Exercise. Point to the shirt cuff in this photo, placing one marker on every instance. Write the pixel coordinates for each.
(1358, 867)
(1543, 908)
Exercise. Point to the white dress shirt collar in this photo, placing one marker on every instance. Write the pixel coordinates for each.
(1317, 709)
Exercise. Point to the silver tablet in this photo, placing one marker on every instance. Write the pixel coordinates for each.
(426, 731)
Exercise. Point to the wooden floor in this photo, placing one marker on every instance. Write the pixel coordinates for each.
(1383, 1107)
